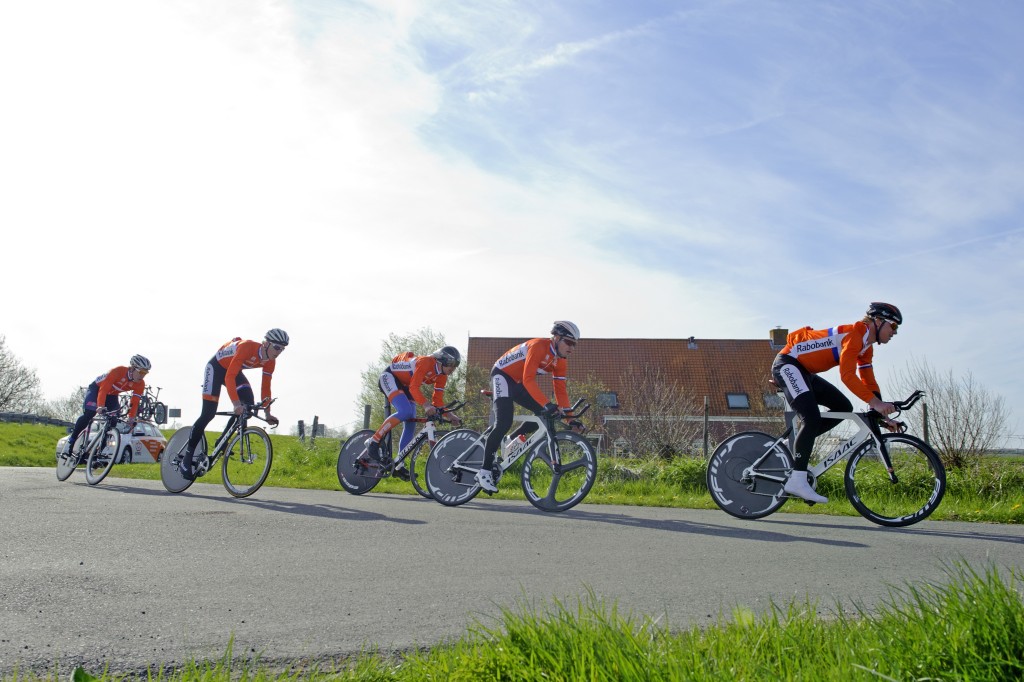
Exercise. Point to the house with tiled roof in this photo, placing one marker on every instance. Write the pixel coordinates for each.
(726, 378)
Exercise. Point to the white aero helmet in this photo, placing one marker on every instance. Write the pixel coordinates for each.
(140, 362)
(567, 329)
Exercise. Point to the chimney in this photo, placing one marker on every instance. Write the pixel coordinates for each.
(778, 337)
(691, 343)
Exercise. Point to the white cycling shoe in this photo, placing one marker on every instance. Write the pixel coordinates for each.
(486, 481)
(798, 486)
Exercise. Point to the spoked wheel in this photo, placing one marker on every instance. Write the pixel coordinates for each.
(246, 464)
(67, 462)
(102, 457)
(920, 481)
(736, 487)
(452, 466)
(555, 488)
(357, 473)
(173, 481)
(417, 463)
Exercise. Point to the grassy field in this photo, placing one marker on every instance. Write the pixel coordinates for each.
(992, 493)
(971, 627)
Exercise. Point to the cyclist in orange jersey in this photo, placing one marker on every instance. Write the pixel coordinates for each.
(514, 380)
(225, 369)
(102, 394)
(808, 352)
(401, 383)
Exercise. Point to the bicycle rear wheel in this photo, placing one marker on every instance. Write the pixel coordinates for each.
(357, 472)
(246, 464)
(172, 479)
(452, 466)
(417, 463)
(917, 491)
(554, 488)
(740, 490)
(102, 456)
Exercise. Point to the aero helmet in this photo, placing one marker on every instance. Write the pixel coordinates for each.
(566, 329)
(885, 311)
(140, 362)
(448, 356)
(278, 336)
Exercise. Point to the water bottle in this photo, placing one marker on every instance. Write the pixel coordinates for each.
(516, 445)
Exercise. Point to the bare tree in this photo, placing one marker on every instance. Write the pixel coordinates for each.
(662, 416)
(964, 419)
(67, 408)
(19, 385)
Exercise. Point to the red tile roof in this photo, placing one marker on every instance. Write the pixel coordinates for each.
(712, 367)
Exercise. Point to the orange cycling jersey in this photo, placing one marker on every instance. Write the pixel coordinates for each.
(413, 371)
(846, 345)
(236, 355)
(530, 358)
(116, 381)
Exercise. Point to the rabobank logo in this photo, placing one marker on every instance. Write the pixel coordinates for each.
(815, 344)
(512, 357)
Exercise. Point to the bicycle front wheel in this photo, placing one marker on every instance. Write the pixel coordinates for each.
(739, 488)
(452, 465)
(913, 492)
(417, 469)
(170, 460)
(555, 487)
(102, 457)
(246, 464)
(357, 472)
(67, 462)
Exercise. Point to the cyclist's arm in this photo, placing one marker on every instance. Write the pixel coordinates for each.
(439, 385)
(268, 375)
(140, 388)
(421, 366)
(848, 361)
(558, 381)
(107, 385)
(531, 367)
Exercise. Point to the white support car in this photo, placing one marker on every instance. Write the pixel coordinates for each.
(143, 445)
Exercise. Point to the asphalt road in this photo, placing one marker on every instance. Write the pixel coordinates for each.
(127, 574)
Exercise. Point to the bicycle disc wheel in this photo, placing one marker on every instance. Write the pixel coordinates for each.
(246, 464)
(417, 463)
(104, 454)
(916, 493)
(66, 463)
(172, 479)
(554, 488)
(744, 493)
(357, 473)
(452, 466)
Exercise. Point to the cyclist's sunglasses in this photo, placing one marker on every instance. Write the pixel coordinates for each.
(894, 326)
(568, 342)
(277, 346)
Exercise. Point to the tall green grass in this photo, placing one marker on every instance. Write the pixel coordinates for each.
(971, 627)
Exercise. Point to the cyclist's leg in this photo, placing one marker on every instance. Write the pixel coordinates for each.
(799, 386)
(88, 412)
(213, 379)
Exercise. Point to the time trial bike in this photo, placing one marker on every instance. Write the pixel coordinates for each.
(559, 470)
(245, 453)
(892, 479)
(98, 446)
(359, 473)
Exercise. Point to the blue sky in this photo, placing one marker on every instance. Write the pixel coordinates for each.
(649, 169)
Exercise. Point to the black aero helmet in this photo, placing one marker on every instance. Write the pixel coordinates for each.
(448, 356)
(566, 329)
(278, 336)
(885, 311)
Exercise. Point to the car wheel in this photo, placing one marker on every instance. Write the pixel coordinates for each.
(126, 455)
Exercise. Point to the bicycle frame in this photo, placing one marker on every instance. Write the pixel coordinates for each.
(94, 437)
(236, 424)
(865, 436)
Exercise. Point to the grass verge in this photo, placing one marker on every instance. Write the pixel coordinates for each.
(969, 627)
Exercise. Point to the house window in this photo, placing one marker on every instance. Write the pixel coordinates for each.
(608, 399)
(737, 401)
(774, 401)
